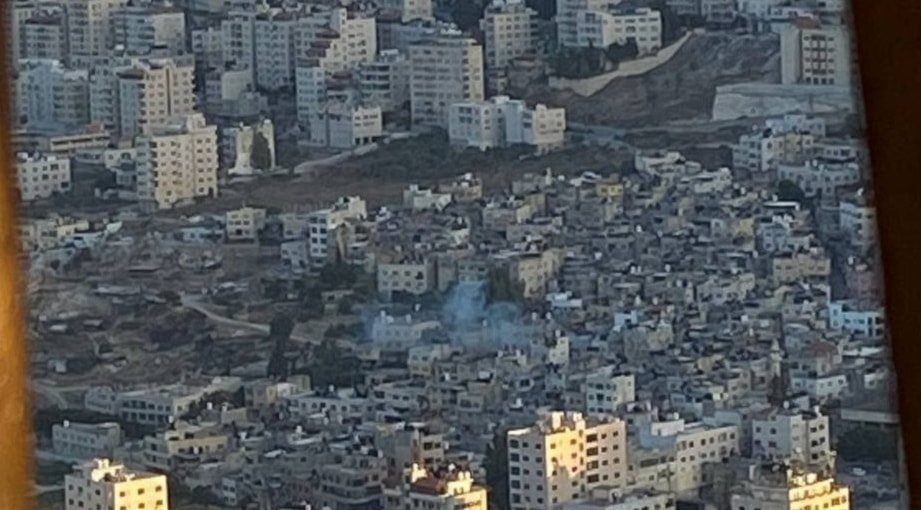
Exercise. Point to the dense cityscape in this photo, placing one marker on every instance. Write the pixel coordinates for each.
(450, 255)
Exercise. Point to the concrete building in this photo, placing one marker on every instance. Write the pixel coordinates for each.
(411, 276)
(44, 36)
(405, 332)
(275, 37)
(238, 40)
(814, 54)
(443, 71)
(351, 35)
(345, 126)
(861, 319)
(323, 241)
(562, 458)
(244, 224)
(145, 95)
(409, 444)
(606, 389)
(207, 45)
(510, 31)
(86, 440)
(408, 10)
(606, 498)
(820, 176)
(48, 95)
(385, 81)
(792, 435)
(90, 27)
(140, 28)
(764, 148)
(787, 488)
(42, 176)
(567, 13)
(857, 219)
(103, 485)
(165, 451)
(177, 164)
(791, 267)
(601, 29)
(447, 489)
(502, 121)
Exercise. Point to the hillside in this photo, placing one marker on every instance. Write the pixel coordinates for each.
(682, 88)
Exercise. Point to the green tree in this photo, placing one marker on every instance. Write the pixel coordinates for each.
(280, 332)
(260, 156)
(790, 192)
(466, 14)
(496, 465)
(331, 366)
(546, 9)
(617, 53)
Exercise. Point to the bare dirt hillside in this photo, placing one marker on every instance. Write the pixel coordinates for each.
(682, 88)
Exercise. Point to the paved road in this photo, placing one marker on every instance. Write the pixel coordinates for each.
(51, 393)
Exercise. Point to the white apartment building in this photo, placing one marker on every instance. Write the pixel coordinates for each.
(763, 149)
(208, 47)
(324, 223)
(787, 489)
(42, 175)
(452, 489)
(408, 10)
(237, 146)
(443, 71)
(90, 26)
(356, 31)
(816, 55)
(562, 458)
(601, 29)
(147, 94)
(50, 95)
(404, 332)
(86, 440)
(509, 31)
(860, 319)
(44, 36)
(177, 164)
(345, 126)
(817, 176)
(606, 389)
(275, 36)
(414, 277)
(140, 28)
(244, 224)
(567, 13)
(501, 121)
(238, 40)
(385, 81)
(857, 219)
(103, 485)
(792, 435)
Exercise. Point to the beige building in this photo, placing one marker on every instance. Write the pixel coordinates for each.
(244, 224)
(501, 121)
(606, 498)
(817, 55)
(323, 241)
(86, 440)
(790, 267)
(167, 450)
(178, 164)
(102, 485)
(443, 70)
(452, 488)
(412, 276)
(792, 435)
(42, 176)
(510, 31)
(90, 25)
(788, 489)
(562, 458)
(601, 29)
(152, 94)
(408, 444)
(140, 28)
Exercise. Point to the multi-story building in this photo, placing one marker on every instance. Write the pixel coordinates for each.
(792, 435)
(861, 319)
(86, 440)
(165, 450)
(142, 95)
(208, 47)
(790, 267)
(412, 276)
(140, 28)
(44, 36)
(324, 223)
(353, 483)
(443, 71)
(605, 498)
(607, 389)
(244, 224)
(275, 36)
(510, 31)
(355, 31)
(601, 29)
(447, 488)
(177, 164)
(820, 176)
(857, 219)
(238, 40)
(103, 485)
(50, 96)
(783, 488)
(408, 444)
(764, 148)
(402, 332)
(90, 27)
(42, 176)
(567, 14)
(816, 55)
(344, 126)
(501, 121)
(385, 81)
(408, 10)
(563, 457)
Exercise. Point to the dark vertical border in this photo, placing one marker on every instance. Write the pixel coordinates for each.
(889, 48)
(15, 415)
